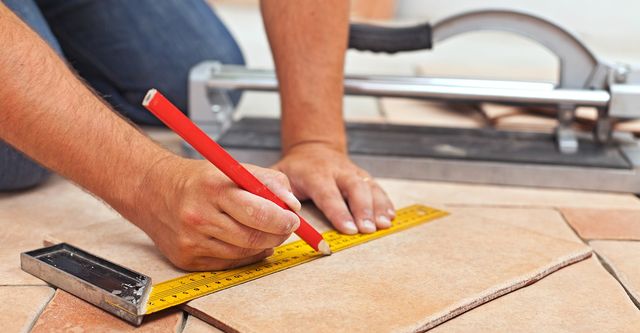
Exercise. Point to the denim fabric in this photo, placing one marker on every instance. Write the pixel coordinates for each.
(122, 48)
(16, 170)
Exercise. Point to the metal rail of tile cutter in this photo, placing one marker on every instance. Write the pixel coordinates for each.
(602, 160)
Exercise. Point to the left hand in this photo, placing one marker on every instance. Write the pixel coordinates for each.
(327, 176)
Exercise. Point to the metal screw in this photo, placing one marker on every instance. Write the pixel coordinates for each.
(621, 72)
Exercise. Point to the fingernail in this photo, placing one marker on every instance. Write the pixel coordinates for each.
(368, 226)
(391, 212)
(295, 203)
(294, 226)
(384, 221)
(350, 228)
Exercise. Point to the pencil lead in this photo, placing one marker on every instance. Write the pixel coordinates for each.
(324, 248)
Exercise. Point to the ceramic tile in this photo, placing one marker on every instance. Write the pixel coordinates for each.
(417, 279)
(425, 113)
(28, 216)
(548, 222)
(67, 313)
(195, 325)
(622, 258)
(56, 205)
(21, 306)
(579, 298)
(500, 196)
(604, 223)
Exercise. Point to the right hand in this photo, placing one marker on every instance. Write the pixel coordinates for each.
(200, 220)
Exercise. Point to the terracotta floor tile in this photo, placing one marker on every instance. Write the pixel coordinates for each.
(67, 313)
(503, 196)
(420, 112)
(579, 298)
(622, 224)
(623, 259)
(21, 306)
(195, 325)
(403, 282)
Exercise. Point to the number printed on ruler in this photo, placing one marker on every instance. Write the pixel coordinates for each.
(191, 286)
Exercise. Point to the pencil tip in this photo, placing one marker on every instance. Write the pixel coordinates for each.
(324, 247)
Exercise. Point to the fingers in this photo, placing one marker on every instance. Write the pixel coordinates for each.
(384, 211)
(326, 195)
(358, 194)
(214, 264)
(279, 184)
(258, 213)
(221, 226)
(211, 247)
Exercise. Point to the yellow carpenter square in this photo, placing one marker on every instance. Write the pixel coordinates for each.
(191, 286)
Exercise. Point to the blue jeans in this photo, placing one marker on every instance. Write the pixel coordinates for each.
(122, 48)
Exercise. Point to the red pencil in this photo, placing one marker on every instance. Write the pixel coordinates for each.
(169, 114)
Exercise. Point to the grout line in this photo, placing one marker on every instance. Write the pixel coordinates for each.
(612, 271)
(35, 320)
(185, 317)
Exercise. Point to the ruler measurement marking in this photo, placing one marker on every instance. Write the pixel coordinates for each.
(193, 285)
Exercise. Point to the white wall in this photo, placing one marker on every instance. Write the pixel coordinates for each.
(610, 28)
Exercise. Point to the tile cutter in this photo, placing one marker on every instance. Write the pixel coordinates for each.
(603, 160)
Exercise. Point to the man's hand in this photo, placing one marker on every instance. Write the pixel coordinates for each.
(308, 40)
(327, 176)
(200, 220)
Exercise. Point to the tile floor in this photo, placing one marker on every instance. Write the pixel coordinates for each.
(564, 301)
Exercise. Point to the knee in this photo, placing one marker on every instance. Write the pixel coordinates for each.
(17, 172)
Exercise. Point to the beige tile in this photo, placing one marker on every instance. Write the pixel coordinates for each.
(579, 298)
(404, 282)
(58, 204)
(623, 259)
(14, 240)
(622, 224)
(165, 137)
(548, 222)
(405, 192)
(67, 313)
(425, 113)
(21, 306)
(28, 216)
(195, 325)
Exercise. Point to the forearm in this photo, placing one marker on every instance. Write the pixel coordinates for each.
(50, 115)
(308, 40)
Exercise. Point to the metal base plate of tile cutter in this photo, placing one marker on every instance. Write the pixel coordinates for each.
(600, 160)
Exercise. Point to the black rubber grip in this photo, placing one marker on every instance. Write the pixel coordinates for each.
(367, 37)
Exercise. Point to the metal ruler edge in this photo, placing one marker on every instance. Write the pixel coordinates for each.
(194, 285)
